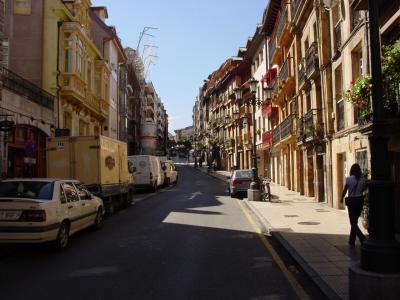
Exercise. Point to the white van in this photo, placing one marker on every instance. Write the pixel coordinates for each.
(148, 171)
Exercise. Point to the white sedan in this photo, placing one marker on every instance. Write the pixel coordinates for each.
(41, 210)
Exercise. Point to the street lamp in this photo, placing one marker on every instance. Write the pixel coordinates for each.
(268, 93)
(254, 101)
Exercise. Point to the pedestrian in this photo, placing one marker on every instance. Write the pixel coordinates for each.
(214, 165)
(354, 188)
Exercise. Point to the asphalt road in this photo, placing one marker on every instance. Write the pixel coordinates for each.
(191, 241)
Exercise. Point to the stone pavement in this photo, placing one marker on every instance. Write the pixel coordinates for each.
(315, 235)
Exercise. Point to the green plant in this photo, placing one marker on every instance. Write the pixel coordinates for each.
(258, 131)
(359, 92)
(391, 74)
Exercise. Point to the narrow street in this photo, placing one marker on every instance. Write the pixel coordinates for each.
(190, 242)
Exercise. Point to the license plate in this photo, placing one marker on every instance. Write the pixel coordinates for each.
(10, 215)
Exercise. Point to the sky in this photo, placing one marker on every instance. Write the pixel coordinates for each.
(193, 38)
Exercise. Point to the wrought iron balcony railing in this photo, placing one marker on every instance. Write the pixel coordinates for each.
(313, 125)
(300, 131)
(272, 48)
(312, 59)
(283, 21)
(284, 72)
(24, 87)
(301, 74)
(277, 134)
(286, 127)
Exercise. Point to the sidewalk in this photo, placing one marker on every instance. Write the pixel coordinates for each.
(315, 235)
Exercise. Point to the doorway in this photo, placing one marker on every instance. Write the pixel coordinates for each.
(321, 177)
(310, 176)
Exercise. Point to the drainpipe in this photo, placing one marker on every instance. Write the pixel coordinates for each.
(328, 185)
(59, 24)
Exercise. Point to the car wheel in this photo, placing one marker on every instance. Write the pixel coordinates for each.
(62, 239)
(99, 220)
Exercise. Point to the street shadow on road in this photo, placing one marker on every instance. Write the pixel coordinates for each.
(189, 242)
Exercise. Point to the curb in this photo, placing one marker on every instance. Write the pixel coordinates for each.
(315, 277)
(211, 175)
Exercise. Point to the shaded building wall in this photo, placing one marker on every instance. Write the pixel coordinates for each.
(23, 27)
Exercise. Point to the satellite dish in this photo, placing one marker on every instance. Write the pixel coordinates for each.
(330, 3)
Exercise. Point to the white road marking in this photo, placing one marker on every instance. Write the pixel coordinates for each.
(194, 195)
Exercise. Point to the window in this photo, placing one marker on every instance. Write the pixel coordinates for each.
(361, 159)
(68, 52)
(70, 192)
(67, 120)
(340, 113)
(357, 71)
(63, 198)
(83, 128)
(27, 189)
(82, 191)
(5, 53)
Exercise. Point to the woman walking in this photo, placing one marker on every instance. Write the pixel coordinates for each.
(354, 187)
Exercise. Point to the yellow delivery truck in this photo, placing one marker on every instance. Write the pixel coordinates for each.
(99, 162)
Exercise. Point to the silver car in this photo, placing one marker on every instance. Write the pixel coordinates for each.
(239, 182)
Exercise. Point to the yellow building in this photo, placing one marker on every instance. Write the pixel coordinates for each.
(74, 68)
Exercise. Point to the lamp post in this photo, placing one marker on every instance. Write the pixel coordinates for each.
(380, 253)
(378, 275)
(254, 101)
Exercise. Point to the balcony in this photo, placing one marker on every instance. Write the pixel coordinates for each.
(301, 75)
(272, 49)
(312, 62)
(73, 88)
(276, 135)
(282, 27)
(300, 131)
(23, 87)
(267, 140)
(313, 125)
(286, 127)
(268, 110)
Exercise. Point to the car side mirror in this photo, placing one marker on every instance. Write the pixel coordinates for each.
(228, 177)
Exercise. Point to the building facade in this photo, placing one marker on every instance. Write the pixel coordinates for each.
(306, 58)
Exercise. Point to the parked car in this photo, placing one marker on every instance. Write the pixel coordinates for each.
(172, 173)
(41, 210)
(239, 182)
(148, 171)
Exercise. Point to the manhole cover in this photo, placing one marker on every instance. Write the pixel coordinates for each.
(308, 223)
(291, 216)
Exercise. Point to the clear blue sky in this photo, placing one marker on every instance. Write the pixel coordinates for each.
(194, 37)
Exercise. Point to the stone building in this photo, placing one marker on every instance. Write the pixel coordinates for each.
(107, 42)
(309, 134)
